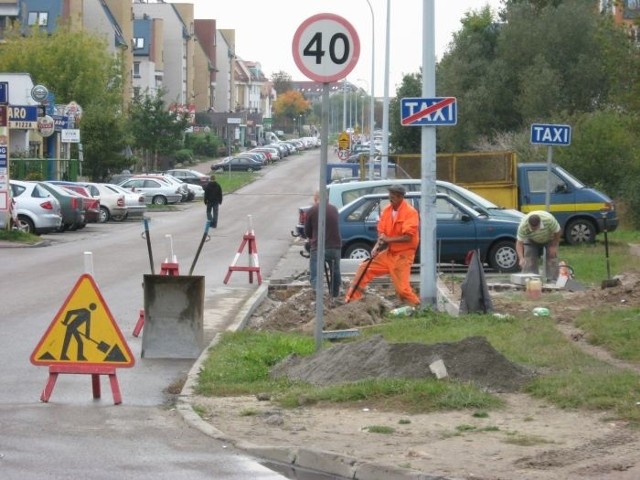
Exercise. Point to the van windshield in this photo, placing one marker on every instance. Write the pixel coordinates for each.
(570, 178)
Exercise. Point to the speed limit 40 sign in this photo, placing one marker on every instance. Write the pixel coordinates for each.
(326, 47)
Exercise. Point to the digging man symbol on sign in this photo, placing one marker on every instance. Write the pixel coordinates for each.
(73, 320)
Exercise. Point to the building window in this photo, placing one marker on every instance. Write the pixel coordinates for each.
(136, 69)
(38, 18)
(138, 43)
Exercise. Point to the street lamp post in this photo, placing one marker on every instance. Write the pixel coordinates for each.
(372, 105)
(362, 120)
(367, 89)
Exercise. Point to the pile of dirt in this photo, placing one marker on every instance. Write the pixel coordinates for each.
(294, 310)
(473, 359)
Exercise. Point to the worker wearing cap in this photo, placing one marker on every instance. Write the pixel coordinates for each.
(538, 231)
(395, 249)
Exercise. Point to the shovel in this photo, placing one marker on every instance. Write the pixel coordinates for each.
(148, 238)
(353, 289)
(204, 238)
(102, 346)
(609, 282)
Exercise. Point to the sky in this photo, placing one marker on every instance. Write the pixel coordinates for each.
(265, 31)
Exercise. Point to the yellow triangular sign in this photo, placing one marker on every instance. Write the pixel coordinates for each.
(83, 332)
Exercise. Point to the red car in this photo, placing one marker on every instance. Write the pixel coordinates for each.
(91, 204)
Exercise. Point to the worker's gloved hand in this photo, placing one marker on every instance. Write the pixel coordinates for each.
(379, 247)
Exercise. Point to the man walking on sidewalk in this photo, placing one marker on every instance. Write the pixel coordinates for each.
(213, 200)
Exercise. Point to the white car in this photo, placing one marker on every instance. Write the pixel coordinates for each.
(196, 190)
(38, 211)
(136, 203)
(155, 190)
(112, 203)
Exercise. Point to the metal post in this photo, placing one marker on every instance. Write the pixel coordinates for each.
(344, 105)
(322, 214)
(373, 75)
(428, 296)
(385, 107)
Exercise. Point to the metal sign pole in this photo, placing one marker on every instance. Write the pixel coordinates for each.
(322, 216)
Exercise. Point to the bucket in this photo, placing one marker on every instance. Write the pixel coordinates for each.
(534, 288)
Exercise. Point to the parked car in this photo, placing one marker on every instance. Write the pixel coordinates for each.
(189, 176)
(135, 202)
(459, 230)
(38, 211)
(120, 177)
(71, 204)
(236, 164)
(155, 190)
(112, 203)
(273, 154)
(187, 196)
(197, 192)
(91, 204)
(259, 157)
(339, 194)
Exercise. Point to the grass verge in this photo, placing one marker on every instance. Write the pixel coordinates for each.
(567, 377)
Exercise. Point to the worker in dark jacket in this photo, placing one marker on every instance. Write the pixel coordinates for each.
(333, 244)
(213, 200)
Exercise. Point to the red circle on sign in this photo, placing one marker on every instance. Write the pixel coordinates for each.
(343, 154)
(326, 47)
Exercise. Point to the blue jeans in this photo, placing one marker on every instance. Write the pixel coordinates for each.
(332, 257)
(212, 214)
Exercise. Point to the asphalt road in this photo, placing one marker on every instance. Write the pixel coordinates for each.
(75, 436)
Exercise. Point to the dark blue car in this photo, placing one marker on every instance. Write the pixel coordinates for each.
(459, 229)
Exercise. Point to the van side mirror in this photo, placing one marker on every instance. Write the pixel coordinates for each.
(562, 188)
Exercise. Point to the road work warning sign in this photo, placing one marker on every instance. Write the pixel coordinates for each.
(83, 332)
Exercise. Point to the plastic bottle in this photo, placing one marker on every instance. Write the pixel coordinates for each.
(534, 288)
(541, 312)
(405, 311)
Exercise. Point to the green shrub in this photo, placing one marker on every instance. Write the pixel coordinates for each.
(184, 156)
(204, 144)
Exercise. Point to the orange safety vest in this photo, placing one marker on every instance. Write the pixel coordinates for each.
(407, 222)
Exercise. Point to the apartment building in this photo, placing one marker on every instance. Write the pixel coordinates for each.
(162, 46)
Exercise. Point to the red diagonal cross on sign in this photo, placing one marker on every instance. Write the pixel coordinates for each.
(427, 111)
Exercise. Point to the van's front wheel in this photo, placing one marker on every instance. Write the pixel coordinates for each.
(580, 231)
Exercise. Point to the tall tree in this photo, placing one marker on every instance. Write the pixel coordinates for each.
(154, 128)
(73, 65)
(405, 139)
(76, 66)
(289, 105)
(281, 82)
(472, 72)
(105, 139)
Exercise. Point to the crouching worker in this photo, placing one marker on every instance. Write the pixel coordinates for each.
(539, 232)
(394, 251)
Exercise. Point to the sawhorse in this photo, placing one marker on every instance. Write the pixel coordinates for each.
(94, 371)
(249, 239)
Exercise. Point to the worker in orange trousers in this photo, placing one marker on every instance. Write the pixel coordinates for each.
(394, 251)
